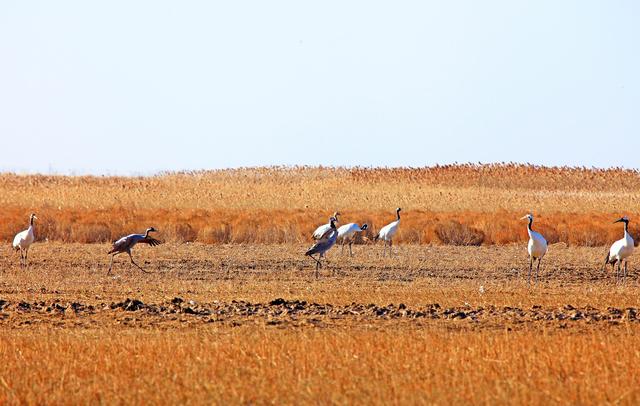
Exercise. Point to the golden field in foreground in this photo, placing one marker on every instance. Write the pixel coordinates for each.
(459, 204)
(250, 324)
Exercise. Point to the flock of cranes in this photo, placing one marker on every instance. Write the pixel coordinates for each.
(328, 234)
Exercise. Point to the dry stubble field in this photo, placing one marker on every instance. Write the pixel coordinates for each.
(247, 322)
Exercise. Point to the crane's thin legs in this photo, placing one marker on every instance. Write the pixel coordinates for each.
(26, 263)
(538, 269)
(620, 270)
(318, 265)
(342, 252)
(384, 251)
(530, 269)
(133, 262)
(350, 252)
(625, 270)
(390, 248)
(110, 265)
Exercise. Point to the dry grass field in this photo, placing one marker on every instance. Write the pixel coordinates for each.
(251, 324)
(231, 311)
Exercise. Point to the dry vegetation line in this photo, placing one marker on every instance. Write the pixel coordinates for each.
(459, 205)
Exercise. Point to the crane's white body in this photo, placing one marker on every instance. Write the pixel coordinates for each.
(347, 232)
(321, 230)
(621, 250)
(325, 227)
(537, 247)
(23, 240)
(387, 232)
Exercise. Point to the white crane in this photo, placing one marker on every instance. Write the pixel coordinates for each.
(620, 250)
(387, 232)
(125, 244)
(537, 247)
(23, 240)
(347, 233)
(325, 227)
(323, 244)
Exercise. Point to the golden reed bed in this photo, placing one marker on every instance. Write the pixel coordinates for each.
(459, 204)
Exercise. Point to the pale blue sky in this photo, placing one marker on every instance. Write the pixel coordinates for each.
(134, 87)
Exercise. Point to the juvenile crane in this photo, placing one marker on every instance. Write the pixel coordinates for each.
(125, 244)
(23, 240)
(620, 250)
(537, 247)
(320, 231)
(387, 232)
(347, 233)
(323, 244)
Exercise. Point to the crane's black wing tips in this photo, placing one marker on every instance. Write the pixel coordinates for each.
(151, 241)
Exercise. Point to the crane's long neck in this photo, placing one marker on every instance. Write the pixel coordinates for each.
(146, 234)
(530, 223)
(398, 215)
(626, 228)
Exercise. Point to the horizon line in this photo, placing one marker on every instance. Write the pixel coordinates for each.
(286, 167)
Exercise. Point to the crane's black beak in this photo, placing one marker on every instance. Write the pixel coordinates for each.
(618, 221)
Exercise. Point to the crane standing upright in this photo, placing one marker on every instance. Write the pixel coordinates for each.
(23, 240)
(620, 250)
(387, 232)
(537, 247)
(347, 233)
